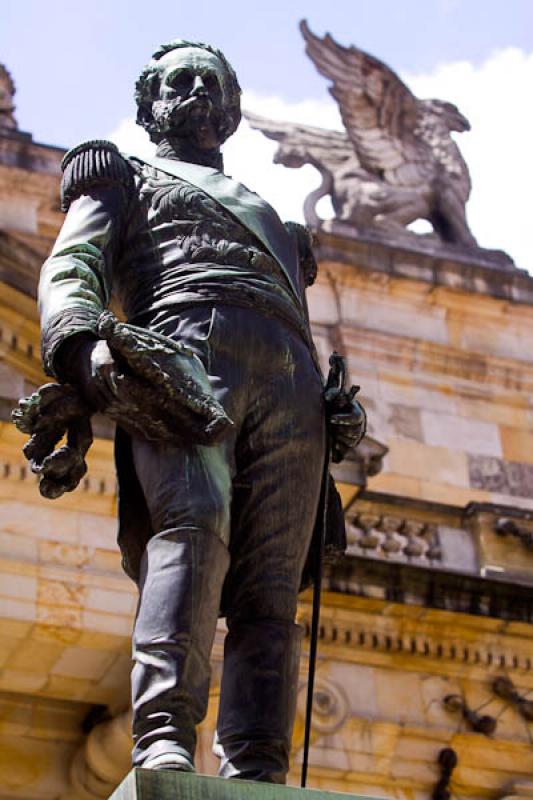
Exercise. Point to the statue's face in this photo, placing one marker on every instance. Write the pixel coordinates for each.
(192, 96)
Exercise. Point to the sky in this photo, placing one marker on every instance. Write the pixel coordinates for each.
(74, 64)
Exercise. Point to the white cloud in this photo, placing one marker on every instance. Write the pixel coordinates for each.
(132, 139)
(494, 96)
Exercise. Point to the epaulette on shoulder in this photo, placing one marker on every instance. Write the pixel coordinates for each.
(304, 242)
(93, 163)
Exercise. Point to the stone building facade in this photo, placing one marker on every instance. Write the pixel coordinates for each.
(426, 637)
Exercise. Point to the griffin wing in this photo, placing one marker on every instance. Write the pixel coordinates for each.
(299, 144)
(378, 110)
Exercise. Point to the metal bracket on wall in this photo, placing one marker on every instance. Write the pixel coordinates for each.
(508, 527)
(480, 723)
(447, 760)
(505, 688)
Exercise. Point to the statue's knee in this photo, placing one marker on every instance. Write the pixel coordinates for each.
(213, 516)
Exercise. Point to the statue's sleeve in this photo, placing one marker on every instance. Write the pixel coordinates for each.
(75, 283)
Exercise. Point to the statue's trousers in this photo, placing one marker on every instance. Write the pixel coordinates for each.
(231, 529)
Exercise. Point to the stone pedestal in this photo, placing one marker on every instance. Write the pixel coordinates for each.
(145, 784)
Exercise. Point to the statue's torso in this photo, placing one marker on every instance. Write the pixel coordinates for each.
(181, 247)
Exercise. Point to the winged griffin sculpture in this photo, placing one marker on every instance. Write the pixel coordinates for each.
(396, 162)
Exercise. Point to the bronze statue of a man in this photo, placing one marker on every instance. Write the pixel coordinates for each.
(198, 259)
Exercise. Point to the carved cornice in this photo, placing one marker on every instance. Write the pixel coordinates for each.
(19, 269)
(456, 270)
(397, 636)
(19, 347)
(19, 151)
(431, 588)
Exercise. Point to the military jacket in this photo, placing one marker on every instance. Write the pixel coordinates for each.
(158, 240)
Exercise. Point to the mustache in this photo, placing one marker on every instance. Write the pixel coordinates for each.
(171, 114)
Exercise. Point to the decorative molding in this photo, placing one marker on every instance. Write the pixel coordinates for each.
(493, 474)
(418, 552)
(19, 327)
(448, 590)
(362, 463)
(330, 706)
(36, 160)
(432, 646)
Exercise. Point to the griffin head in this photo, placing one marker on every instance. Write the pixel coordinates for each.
(449, 113)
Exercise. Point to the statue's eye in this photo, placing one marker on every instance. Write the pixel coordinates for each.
(211, 83)
(182, 81)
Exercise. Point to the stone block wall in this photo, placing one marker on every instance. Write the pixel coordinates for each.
(446, 376)
(384, 672)
(443, 354)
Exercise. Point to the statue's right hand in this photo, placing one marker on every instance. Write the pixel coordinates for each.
(91, 368)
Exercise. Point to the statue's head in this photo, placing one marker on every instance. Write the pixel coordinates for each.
(189, 90)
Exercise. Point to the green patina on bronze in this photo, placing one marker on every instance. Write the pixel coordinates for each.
(143, 784)
(221, 416)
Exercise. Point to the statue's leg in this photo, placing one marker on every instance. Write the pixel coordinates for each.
(258, 700)
(182, 572)
(449, 219)
(188, 494)
(280, 458)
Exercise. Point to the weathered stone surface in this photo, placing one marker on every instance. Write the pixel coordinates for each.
(458, 549)
(517, 444)
(406, 421)
(392, 313)
(420, 460)
(496, 475)
(466, 272)
(461, 433)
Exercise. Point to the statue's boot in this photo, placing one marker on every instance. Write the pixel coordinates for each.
(258, 700)
(181, 581)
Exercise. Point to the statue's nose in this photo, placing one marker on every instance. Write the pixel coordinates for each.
(198, 86)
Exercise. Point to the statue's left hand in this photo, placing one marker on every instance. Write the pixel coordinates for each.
(346, 417)
(346, 427)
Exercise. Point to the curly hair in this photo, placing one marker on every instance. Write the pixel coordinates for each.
(147, 88)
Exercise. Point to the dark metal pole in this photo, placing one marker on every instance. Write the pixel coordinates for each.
(315, 618)
(336, 396)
